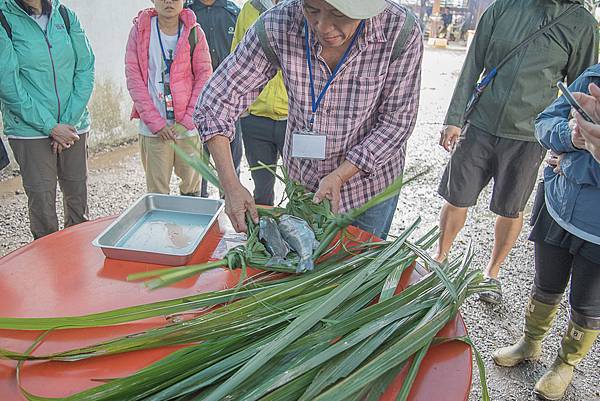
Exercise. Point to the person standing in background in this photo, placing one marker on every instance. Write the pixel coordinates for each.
(265, 123)
(218, 19)
(47, 70)
(166, 65)
(497, 139)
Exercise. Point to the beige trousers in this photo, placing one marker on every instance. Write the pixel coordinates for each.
(159, 160)
(40, 169)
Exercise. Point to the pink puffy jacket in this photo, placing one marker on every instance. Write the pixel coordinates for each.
(187, 80)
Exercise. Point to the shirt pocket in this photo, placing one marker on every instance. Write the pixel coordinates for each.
(351, 112)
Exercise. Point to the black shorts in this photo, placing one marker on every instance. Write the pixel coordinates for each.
(478, 158)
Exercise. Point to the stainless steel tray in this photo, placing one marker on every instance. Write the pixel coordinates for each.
(160, 229)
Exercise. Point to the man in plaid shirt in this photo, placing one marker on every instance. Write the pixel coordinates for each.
(346, 138)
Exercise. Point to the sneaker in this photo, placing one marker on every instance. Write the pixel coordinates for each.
(492, 296)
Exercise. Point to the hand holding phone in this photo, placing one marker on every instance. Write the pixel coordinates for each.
(571, 100)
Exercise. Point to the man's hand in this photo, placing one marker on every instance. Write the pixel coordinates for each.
(331, 185)
(449, 137)
(167, 133)
(65, 135)
(330, 188)
(238, 201)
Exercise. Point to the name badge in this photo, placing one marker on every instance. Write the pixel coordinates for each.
(308, 145)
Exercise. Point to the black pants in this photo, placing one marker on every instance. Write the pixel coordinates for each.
(236, 153)
(553, 268)
(263, 142)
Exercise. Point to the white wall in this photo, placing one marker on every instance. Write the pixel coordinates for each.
(107, 24)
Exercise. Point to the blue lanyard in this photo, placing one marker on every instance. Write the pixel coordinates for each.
(162, 49)
(316, 102)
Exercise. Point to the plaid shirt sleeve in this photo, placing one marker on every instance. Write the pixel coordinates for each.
(233, 88)
(397, 113)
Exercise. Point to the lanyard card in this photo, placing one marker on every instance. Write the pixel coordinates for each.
(308, 145)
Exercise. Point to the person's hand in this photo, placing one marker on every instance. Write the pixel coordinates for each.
(591, 102)
(238, 202)
(576, 138)
(591, 133)
(65, 135)
(449, 137)
(167, 133)
(57, 148)
(330, 188)
(553, 161)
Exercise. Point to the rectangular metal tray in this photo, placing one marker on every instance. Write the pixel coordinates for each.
(160, 229)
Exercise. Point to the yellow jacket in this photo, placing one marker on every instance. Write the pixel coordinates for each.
(273, 100)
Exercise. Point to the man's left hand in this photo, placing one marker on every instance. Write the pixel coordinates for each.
(330, 188)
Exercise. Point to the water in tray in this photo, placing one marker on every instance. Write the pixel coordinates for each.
(165, 232)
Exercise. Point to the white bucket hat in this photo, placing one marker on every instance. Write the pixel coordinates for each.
(359, 9)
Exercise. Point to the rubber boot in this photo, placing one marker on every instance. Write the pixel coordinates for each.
(538, 320)
(575, 345)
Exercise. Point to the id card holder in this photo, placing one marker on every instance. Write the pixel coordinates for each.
(308, 145)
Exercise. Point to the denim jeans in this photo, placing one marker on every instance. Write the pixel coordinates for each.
(378, 219)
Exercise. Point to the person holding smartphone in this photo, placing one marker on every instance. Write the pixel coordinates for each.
(566, 234)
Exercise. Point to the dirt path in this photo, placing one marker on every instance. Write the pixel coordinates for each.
(116, 179)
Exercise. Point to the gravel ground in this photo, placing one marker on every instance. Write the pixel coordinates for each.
(116, 179)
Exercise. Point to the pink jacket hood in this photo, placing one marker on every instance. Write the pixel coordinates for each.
(189, 73)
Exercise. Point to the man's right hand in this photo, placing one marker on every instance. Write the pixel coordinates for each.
(449, 137)
(65, 135)
(238, 202)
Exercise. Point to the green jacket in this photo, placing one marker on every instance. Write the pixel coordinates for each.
(45, 78)
(526, 85)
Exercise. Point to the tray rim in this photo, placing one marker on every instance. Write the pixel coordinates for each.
(96, 241)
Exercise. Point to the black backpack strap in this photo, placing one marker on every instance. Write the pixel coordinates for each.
(261, 31)
(64, 13)
(193, 39)
(407, 28)
(259, 6)
(5, 25)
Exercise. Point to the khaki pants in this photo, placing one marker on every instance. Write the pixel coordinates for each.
(159, 159)
(40, 169)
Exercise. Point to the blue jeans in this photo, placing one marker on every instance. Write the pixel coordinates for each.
(378, 219)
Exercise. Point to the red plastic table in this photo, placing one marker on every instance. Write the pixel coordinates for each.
(64, 275)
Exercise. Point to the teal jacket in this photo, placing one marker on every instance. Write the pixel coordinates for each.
(46, 79)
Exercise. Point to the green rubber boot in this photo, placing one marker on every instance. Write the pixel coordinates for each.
(574, 347)
(538, 320)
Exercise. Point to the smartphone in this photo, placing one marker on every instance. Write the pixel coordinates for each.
(569, 96)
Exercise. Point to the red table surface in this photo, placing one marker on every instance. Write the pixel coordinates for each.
(64, 275)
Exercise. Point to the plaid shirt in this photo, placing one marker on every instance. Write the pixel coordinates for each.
(367, 114)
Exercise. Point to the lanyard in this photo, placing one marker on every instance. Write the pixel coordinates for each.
(162, 49)
(316, 101)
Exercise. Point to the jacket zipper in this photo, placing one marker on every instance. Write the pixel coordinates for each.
(49, 46)
(53, 74)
